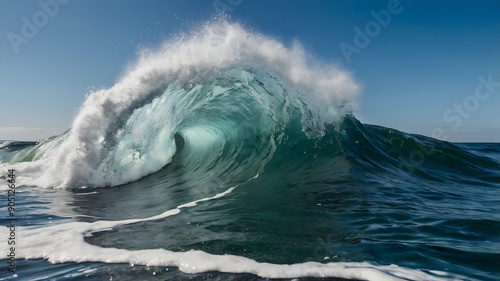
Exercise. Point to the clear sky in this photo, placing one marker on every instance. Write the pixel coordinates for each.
(433, 66)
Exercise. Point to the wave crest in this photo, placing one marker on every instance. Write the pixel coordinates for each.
(123, 133)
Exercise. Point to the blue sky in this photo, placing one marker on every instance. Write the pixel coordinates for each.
(432, 69)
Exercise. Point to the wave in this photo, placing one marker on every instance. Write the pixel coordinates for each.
(224, 108)
(212, 89)
(228, 103)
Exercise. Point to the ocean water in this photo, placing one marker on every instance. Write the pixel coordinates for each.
(225, 155)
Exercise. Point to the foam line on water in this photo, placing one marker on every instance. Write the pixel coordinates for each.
(65, 243)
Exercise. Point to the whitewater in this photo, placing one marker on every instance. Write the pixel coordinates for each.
(225, 154)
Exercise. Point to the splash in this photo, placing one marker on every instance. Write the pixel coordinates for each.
(126, 132)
